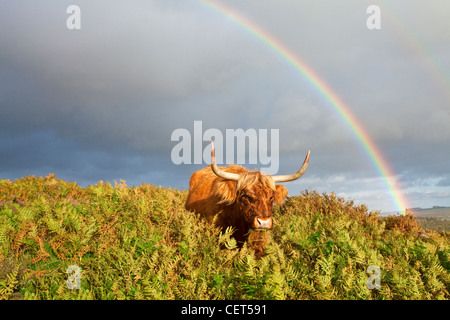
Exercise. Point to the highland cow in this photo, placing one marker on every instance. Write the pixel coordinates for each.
(243, 199)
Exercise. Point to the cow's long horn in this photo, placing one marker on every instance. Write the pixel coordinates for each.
(217, 171)
(294, 176)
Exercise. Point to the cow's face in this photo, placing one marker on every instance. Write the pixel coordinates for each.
(255, 196)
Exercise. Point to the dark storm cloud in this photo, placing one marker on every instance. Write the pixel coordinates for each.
(128, 76)
(101, 103)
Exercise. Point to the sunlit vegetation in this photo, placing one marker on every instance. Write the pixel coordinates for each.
(140, 243)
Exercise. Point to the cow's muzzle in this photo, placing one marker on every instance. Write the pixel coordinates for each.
(262, 223)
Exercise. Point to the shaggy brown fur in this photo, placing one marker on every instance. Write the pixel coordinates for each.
(238, 204)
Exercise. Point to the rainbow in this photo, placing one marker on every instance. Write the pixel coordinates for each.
(379, 162)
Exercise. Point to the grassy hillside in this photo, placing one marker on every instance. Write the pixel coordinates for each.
(140, 243)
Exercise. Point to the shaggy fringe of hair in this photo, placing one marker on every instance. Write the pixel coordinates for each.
(227, 190)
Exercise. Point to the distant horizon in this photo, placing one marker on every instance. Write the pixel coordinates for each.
(118, 181)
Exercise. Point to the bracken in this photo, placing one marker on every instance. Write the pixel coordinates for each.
(140, 243)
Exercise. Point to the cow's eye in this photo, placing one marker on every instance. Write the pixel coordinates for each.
(246, 197)
(272, 198)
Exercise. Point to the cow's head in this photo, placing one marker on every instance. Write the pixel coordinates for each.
(254, 193)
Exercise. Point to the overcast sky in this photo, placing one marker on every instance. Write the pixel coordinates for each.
(102, 102)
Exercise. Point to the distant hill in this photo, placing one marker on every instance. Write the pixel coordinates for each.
(435, 218)
(434, 212)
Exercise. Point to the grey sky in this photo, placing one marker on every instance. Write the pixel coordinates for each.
(101, 103)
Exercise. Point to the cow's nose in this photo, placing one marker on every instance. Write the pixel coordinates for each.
(262, 223)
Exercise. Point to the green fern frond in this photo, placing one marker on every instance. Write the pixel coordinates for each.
(9, 284)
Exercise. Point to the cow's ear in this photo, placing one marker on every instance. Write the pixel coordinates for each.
(280, 194)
